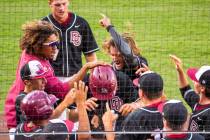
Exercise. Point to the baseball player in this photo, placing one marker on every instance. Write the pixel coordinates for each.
(38, 109)
(107, 85)
(147, 118)
(75, 37)
(199, 98)
(39, 42)
(123, 50)
(33, 77)
(174, 119)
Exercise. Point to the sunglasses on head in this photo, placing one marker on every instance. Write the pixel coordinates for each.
(52, 44)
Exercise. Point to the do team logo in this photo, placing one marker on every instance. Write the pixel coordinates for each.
(116, 103)
(75, 38)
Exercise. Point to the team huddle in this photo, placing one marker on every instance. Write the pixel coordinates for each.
(55, 97)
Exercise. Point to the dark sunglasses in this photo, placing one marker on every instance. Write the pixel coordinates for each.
(54, 44)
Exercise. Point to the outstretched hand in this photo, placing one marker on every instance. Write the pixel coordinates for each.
(81, 92)
(177, 61)
(91, 104)
(126, 109)
(105, 21)
(70, 97)
(93, 64)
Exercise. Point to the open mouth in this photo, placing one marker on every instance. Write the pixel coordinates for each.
(117, 62)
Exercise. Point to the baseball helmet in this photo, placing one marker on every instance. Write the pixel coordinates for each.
(37, 105)
(103, 82)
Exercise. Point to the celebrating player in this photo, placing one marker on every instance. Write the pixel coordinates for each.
(37, 106)
(33, 76)
(114, 87)
(175, 119)
(123, 50)
(147, 118)
(75, 37)
(199, 98)
(39, 42)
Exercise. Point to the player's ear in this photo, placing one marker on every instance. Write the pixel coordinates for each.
(165, 124)
(141, 94)
(202, 89)
(27, 82)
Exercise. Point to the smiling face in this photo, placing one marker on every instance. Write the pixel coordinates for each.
(59, 9)
(48, 49)
(117, 58)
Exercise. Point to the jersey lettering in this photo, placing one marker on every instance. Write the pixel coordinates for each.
(193, 126)
(116, 103)
(75, 38)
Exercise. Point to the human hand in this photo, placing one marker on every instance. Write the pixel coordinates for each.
(93, 64)
(177, 61)
(95, 121)
(126, 109)
(80, 92)
(109, 118)
(142, 69)
(105, 21)
(91, 104)
(70, 97)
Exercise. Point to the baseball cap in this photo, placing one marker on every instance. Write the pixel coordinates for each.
(175, 112)
(32, 70)
(151, 82)
(55, 127)
(201, 75)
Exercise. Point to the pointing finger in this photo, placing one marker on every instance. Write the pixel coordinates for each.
(107, 106)
(103, 15)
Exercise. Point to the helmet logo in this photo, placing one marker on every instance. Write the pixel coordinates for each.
(103, 90)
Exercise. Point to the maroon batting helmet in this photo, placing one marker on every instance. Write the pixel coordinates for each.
(37, 105)
(103, 82)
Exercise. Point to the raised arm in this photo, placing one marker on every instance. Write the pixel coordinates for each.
(122, 46)
(188, 94)
(68, 100)
(108, 120)
(181, 75)
(81, 95)
(81, 74)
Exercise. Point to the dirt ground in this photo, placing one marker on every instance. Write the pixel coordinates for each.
(3, 128)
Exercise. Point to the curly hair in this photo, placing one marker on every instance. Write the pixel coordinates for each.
(127, 38)
(35, 33)
(50, 1)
